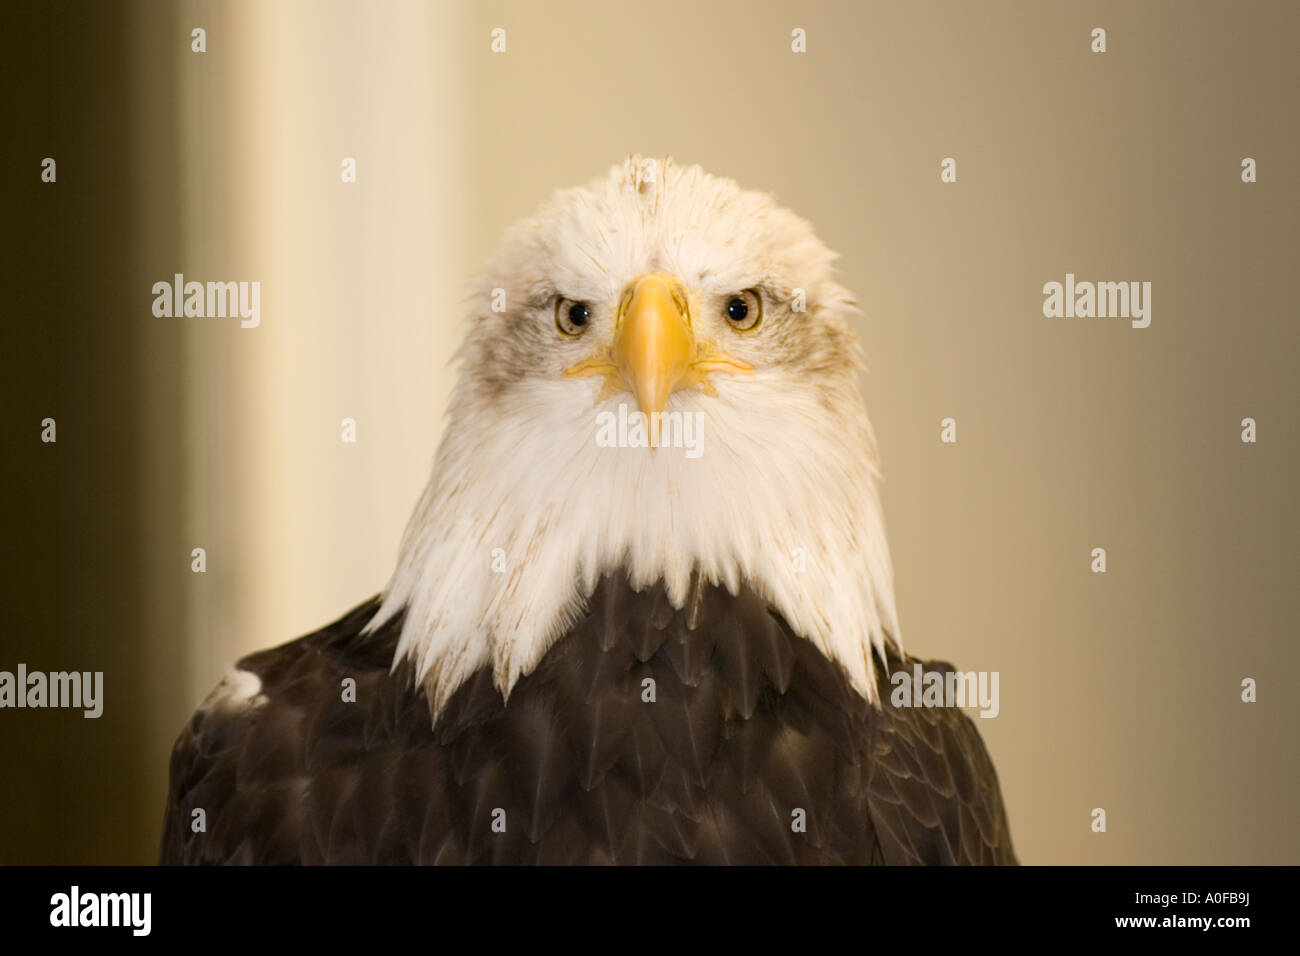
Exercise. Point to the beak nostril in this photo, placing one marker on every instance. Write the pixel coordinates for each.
(625, 301)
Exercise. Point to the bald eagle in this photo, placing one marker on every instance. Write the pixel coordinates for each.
(643, 612)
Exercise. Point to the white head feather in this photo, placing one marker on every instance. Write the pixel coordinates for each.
(783, 497)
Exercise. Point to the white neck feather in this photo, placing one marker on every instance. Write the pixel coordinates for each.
(783, 498)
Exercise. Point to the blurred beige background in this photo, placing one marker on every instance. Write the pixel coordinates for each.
(1118, 691)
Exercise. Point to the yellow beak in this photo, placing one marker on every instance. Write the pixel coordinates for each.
(653, 343)
(654, 351)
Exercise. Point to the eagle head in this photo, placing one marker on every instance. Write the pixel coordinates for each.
(659, 381)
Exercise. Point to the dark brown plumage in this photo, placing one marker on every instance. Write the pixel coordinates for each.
(749, 724)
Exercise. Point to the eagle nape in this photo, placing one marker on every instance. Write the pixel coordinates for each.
(643, 612)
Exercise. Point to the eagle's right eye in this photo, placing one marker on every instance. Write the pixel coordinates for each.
(572, 318)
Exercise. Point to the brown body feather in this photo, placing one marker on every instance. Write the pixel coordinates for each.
(750, 723)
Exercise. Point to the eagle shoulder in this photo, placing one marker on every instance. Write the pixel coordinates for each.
(297, 754)
(932, 791)
(648, 734)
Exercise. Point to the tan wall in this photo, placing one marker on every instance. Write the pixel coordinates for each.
(1117, 691)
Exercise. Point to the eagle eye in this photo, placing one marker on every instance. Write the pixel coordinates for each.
(572, 318)
(744, 311)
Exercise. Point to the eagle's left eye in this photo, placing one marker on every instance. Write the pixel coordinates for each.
(744, 311)
(572, 318)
